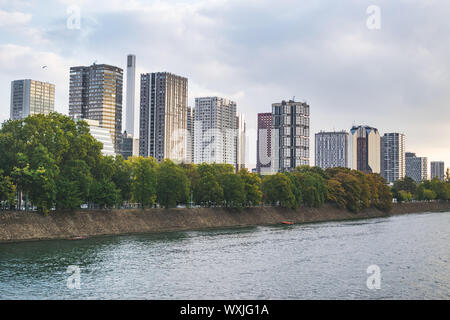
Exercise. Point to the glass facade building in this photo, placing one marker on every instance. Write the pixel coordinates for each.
(30, 97)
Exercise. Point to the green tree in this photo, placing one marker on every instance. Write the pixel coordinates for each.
(406, 184)
(7, 190)
(233, 190)
(144, 180)
(429, 195)
(404, 196)
(104, 193)
(439, 188)
(173, 185)
(252, 187)
(73, 185)
(193, 176)
(208, 191)
(122, 177)
(296, 188)
(277, 189)
(37, 148)
(313, 188)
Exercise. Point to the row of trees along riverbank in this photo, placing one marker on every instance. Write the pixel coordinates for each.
(53, 162)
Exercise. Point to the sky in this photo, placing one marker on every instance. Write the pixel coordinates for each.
(388, 68)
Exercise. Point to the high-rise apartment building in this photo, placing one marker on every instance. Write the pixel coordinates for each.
(290, 135)
(240, 141)
(163, 116)
(393, 166)
(264, 143)
(364, 149)
(30, 97)
(215, 130)
(331, 149)
(190, 135)
(416, 167)
(437, 170)
(96, 93)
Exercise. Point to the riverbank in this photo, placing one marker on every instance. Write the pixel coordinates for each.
(23, 226)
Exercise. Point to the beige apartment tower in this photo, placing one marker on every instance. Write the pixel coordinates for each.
(96, 94)
(364, 149)
(163, 116)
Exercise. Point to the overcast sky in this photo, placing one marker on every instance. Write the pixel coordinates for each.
(256, 52)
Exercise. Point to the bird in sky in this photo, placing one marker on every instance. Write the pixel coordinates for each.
(44, 67)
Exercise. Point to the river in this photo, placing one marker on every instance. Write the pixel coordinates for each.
(310, 261)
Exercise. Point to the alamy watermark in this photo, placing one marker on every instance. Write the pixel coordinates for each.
(374, 20)
(74, 280)
(74, 19)
(374, 280)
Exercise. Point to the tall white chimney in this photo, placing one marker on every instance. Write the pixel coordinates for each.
(131, 75)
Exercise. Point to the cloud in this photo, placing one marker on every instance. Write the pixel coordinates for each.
(12, 19)
(258, 53)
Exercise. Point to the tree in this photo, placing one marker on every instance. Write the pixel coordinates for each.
(277, 189)
(144, 183)
(7, 189)
(193, 176)
(406, 184)
(233, 190)
(336, 193)
(313, 188)
(352, 190)
(208, 191)
(37, 148)
(122, 177)
(439, 188)
(252, 187)
(73, 185)
(296, 187)
(429, 195)
(404, 196)
(173, 185)
(104, 193)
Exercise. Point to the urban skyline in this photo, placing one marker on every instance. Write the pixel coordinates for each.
(388, 157)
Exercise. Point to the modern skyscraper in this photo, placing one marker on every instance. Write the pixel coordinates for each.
(364, 149)
(290, 135)
(96, 93)
(264, 143)
(416, 167)
(215, 130)
(240, 141)
(393, 164)
(438, 170)
(131, 76)
(163, 116)
(331, 149)
(190, 136)
(30, 97)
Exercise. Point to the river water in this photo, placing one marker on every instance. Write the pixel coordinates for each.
(311, 261)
